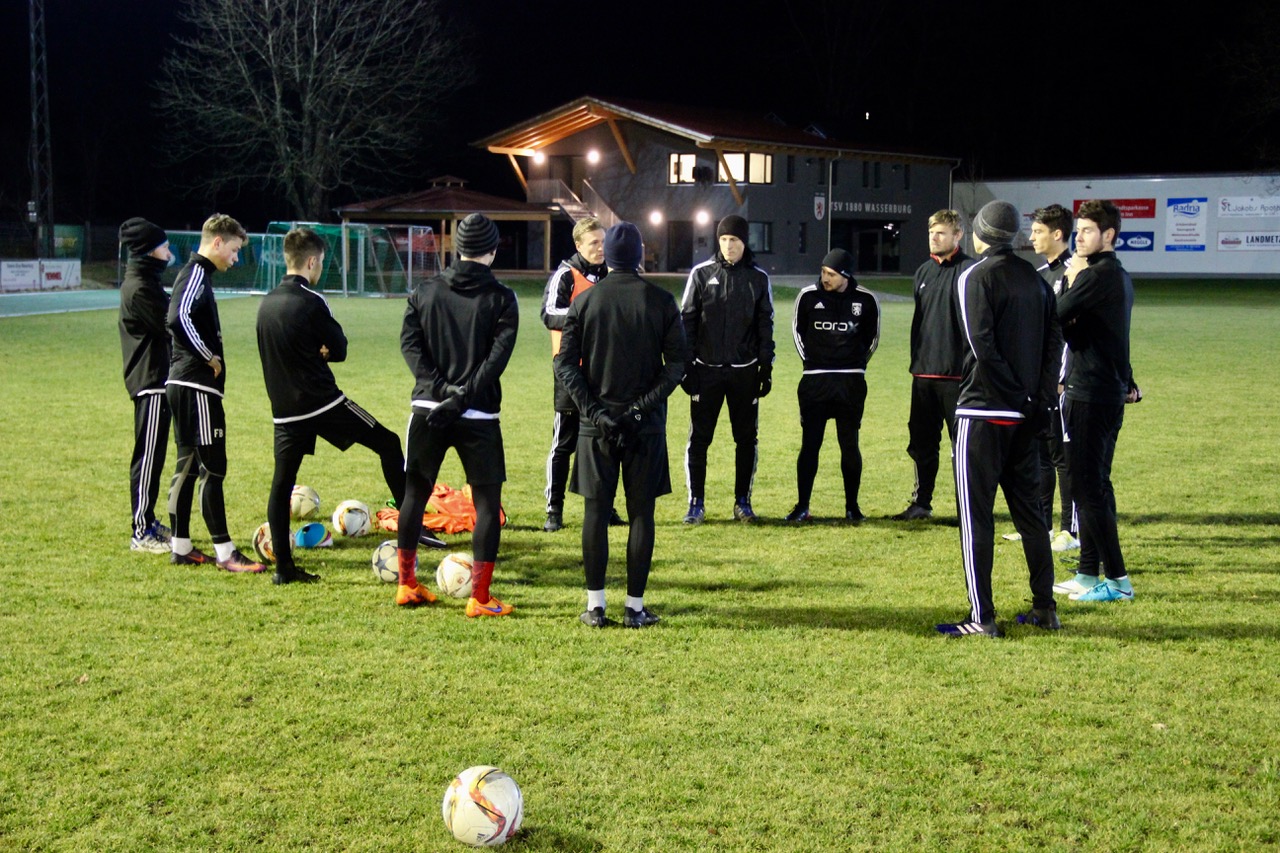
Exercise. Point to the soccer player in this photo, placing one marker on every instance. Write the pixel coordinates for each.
(298, 338)
(1050, 237)
(836, 324)
(458, 333)
(622, 354)
(1008, 384)
(572, 278)
(144, 343)
(197, 378)
(728, 317)
(1095, 310)
(936, 358)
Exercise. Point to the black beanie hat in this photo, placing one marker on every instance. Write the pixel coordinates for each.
(141, 236)
(475, 237)
(840, 261)
(623, 247)
(734, 226)
(997, 223)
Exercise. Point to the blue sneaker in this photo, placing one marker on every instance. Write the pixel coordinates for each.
(1076, 585)
(1104, 592)
(697, 512)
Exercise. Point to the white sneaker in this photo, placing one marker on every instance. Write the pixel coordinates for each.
(1072, 587)
(1064, 541)
(1011, 537)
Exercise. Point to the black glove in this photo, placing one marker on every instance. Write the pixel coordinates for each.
(690, 383)
(765, 379)
(1042, 422)
(445, 414)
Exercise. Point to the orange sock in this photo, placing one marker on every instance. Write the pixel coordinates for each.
(408, 566)
(481, 575)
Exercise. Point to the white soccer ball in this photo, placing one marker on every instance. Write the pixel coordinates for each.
(352, 518)
(483, 807)
(304, 503)
(453, 575)
(386, 565)
(262, 543)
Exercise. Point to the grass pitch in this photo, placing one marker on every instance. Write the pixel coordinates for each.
(794, 698)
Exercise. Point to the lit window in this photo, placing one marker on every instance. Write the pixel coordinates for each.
(681, 168)
(746, 168)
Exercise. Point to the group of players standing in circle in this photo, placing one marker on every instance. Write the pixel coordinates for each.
(987, 359)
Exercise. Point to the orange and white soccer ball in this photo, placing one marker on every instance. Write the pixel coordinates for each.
(352, 518)
(304, 503)
(483, 807)
(453, 575)
(262, 543)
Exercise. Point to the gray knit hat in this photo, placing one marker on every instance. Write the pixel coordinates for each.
(475, 237)
(997, 223)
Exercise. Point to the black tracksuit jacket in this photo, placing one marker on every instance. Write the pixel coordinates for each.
(556, 298)
(1012, 338)
(194, 328)
(728, 313)
(836, 332)
(294, 322)
(624, 347)
(460, 329)
(1095, 313)
(144, 338)
(937, 344)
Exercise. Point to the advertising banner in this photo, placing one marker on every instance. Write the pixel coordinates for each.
(1130, 208)
(19, 275)
(1185, 221)
(1249, 241)
(59, 275)
(1248, 206)
(1136, 241)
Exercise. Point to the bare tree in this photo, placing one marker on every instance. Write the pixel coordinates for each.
(306, 96)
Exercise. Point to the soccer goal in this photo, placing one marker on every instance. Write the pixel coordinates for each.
(423, 255)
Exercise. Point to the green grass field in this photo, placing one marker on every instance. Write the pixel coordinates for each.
(794, 698)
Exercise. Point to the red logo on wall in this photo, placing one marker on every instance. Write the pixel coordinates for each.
(1130, 208)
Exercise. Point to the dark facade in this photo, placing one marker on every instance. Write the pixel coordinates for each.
(799, 192)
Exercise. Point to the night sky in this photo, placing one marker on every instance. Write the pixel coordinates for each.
(1013, 89)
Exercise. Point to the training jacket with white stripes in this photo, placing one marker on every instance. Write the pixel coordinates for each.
(144, 340)
(728, 313)
(459, 330)
(836, 332)
(937, 344)
(194, 328)
(294, 322)
(1011, 333)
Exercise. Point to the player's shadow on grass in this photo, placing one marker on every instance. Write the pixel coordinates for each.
(908, 620)
(545, 838)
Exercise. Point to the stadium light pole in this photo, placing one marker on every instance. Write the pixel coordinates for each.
(40, 209)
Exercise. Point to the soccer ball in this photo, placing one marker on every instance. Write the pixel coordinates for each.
(304, 503)
(483, 807)
(262, 543)
(386, 565)
(352, 518)
(453, 575)
(312, 535)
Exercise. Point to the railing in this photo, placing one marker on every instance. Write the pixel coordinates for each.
(599, 206)
(549, 191)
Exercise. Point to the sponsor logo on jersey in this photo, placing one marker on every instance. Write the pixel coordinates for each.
(834, 326)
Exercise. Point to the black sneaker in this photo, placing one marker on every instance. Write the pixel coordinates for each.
(616, 520)
(799, 514)
(696, 514)
(594, 618)
(854, 516)
(913, 512)
(968, 629)
(641, 618)
(1041, 617)
(295, 575)
(426, 540)
(554, 522)
(743, 512)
